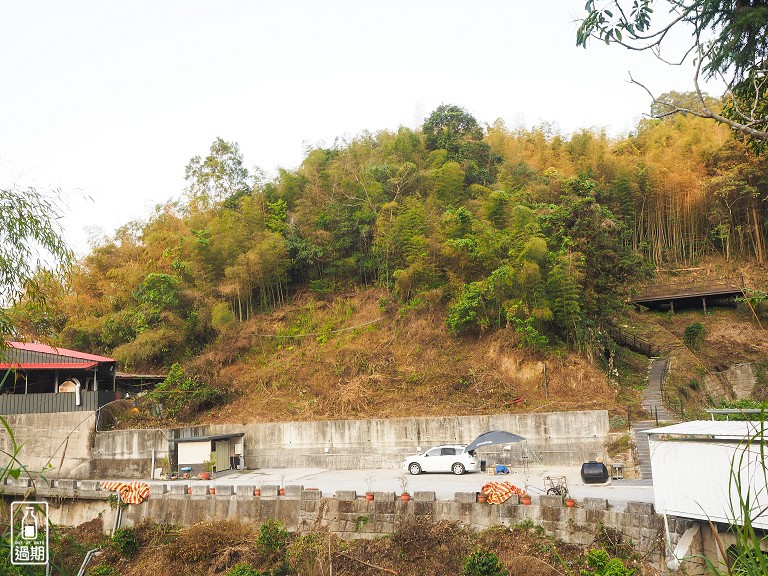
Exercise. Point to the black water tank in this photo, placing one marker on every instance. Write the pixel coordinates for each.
(594, 472)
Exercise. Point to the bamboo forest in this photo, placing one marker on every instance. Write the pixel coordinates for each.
(527, 230)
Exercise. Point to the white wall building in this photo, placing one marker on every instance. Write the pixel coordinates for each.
(706, 469)
(712, 473)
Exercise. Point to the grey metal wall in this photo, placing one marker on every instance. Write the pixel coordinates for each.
(60, 402)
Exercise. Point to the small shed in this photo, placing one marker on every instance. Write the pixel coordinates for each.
(703, 470)
(227, 448)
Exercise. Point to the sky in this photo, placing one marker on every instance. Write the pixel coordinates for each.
(105, 103)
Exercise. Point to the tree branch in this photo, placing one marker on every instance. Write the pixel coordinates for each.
(366, 563)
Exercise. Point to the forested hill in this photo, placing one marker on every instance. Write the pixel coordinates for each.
(528, 237)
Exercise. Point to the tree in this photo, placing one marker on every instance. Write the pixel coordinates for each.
(30, 237)
(30, 234)
(219, 176)
(729, 42)
(448, 127)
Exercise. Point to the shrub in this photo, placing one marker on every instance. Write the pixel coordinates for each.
(273, 537)
(201, 542)
(600, 563)
(244, 570)
(694, 384)
(529, 335)
(482, 563)
(693, 336)
(104, 570)
(466, 313)
(303, 553)
(125, 542)
(182, 395)
(619, 445)
(616, 422)
(743, 404)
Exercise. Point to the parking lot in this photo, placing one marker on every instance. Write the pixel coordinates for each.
(618, 492)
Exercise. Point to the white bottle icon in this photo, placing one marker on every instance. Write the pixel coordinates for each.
(29, 524)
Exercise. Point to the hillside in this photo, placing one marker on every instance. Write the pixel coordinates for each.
(364, 355)
(431, 271)
(419, 547)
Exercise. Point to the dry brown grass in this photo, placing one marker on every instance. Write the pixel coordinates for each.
(415, 549)
(351, 357)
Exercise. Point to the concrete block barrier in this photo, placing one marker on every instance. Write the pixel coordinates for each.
(245, 491)
(465, 497)
(293, 491)
(424, 496)
(177, 489)
(270, 491)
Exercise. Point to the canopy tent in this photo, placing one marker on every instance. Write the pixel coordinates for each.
(494, 437)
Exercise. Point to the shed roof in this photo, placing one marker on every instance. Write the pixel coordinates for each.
(711, 430)
(210, 438)
(32, 356)
(45, 349)
(13, 365)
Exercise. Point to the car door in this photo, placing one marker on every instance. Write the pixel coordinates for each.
(431, 460)
(447, 458)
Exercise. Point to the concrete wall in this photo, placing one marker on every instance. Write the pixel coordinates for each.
(562, 438)
(740, 378)
(62, 440)
(352, 517)
(565, 438)
(128, 453)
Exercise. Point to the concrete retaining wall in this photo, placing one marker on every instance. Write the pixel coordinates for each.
(67, 441)
(351, 516)
(740, 378)
(562, 438)
(128, 453)
(62, 441)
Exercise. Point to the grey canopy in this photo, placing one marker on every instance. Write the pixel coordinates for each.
(494, 437)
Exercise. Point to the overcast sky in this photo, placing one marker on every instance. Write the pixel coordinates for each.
(108, 101)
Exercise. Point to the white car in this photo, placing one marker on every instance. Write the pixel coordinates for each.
(446, 458)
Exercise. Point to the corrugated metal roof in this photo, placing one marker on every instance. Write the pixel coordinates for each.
(47, 365)
(28, 356)
(712, 430)
(45, 349)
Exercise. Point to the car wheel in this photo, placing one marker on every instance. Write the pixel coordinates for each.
(414, 469)
(458, 469)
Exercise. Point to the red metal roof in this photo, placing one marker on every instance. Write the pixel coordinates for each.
(47, 366)
(45, 349)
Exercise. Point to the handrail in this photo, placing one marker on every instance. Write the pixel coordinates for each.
(88, 557)
(633, 341)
